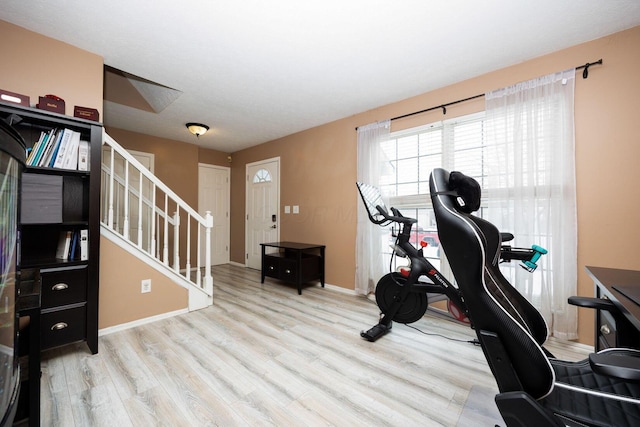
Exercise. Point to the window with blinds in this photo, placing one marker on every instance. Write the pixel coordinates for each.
(462, 144)
(456, 144)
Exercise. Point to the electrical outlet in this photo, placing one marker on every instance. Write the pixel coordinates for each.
(145, 286)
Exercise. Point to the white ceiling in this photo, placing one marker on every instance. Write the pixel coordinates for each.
(256, 70)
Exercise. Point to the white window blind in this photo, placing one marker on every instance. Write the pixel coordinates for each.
(456, 144)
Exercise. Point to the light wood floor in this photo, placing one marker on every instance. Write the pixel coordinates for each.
(264, 355)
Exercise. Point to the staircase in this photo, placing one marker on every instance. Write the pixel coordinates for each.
(145, 217)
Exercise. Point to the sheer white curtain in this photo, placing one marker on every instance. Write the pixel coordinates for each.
(531, 174)
(372, 164)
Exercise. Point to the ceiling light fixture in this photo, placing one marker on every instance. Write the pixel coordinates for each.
(197, 128)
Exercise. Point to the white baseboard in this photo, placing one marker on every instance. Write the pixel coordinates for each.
(237, 264)
(133, 324)
(340, 289)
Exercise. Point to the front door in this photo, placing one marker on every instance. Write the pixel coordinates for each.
(263, 200)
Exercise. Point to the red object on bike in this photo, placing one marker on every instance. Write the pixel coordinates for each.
(457, 313)
(404, 272)
(424, 243)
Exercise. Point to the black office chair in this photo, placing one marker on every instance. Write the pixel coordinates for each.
(535, 388)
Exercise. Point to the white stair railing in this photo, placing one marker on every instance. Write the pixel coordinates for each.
(146, 213)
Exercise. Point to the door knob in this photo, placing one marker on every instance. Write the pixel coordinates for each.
(273, 226)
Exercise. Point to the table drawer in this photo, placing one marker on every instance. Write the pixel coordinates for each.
(271, 266)
(607, 330)
(289, 269)
(62, 327)
(64, 286)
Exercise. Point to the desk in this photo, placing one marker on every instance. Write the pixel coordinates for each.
(293, 262)
(618, 329)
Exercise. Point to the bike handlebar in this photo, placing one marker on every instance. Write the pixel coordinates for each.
(396, 217)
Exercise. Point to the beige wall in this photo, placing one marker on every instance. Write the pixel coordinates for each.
(318, 166)
(36, 65)
(176, 163)
(120, 281)
(318, 174)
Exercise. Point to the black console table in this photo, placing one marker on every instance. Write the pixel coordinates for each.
(293, 262)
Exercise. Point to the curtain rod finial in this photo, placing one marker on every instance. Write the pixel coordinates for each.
(586, 66)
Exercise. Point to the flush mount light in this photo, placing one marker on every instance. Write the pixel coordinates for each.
(197, 128)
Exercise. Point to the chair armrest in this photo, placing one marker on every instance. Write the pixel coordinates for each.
(617, 363)
(506, 237)
(591, 302)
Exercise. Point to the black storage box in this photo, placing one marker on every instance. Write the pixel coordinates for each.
(41, 199)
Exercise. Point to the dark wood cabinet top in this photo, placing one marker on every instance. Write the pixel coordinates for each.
(292, 245)
(611, 281)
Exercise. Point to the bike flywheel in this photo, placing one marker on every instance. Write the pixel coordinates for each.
(388, 291)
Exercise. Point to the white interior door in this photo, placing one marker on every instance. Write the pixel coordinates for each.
(213, 196)
(263, 200)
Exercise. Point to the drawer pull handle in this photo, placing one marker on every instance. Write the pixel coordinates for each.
(288, 271)
(58, 326)
(271, 267)
(605, 329)
(59, 287)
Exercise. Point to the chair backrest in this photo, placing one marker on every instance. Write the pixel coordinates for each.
(472, 246)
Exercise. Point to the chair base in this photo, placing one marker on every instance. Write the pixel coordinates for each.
(518, 409)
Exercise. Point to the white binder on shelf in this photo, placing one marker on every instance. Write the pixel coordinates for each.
(70, 160)
(83, 156)
(84, 245)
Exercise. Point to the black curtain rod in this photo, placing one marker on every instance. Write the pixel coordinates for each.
(585, 74)
(443, 106)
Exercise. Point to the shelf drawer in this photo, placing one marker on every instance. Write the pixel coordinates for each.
(63, 286)
(62, 327)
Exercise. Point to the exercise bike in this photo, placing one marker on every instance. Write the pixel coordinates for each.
(403, 296)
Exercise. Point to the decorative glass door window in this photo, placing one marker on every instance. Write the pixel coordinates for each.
(262, 175)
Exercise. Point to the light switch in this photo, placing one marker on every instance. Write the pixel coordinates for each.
(287, 209)
(296, 209)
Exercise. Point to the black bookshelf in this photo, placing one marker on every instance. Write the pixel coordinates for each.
(70, 201)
